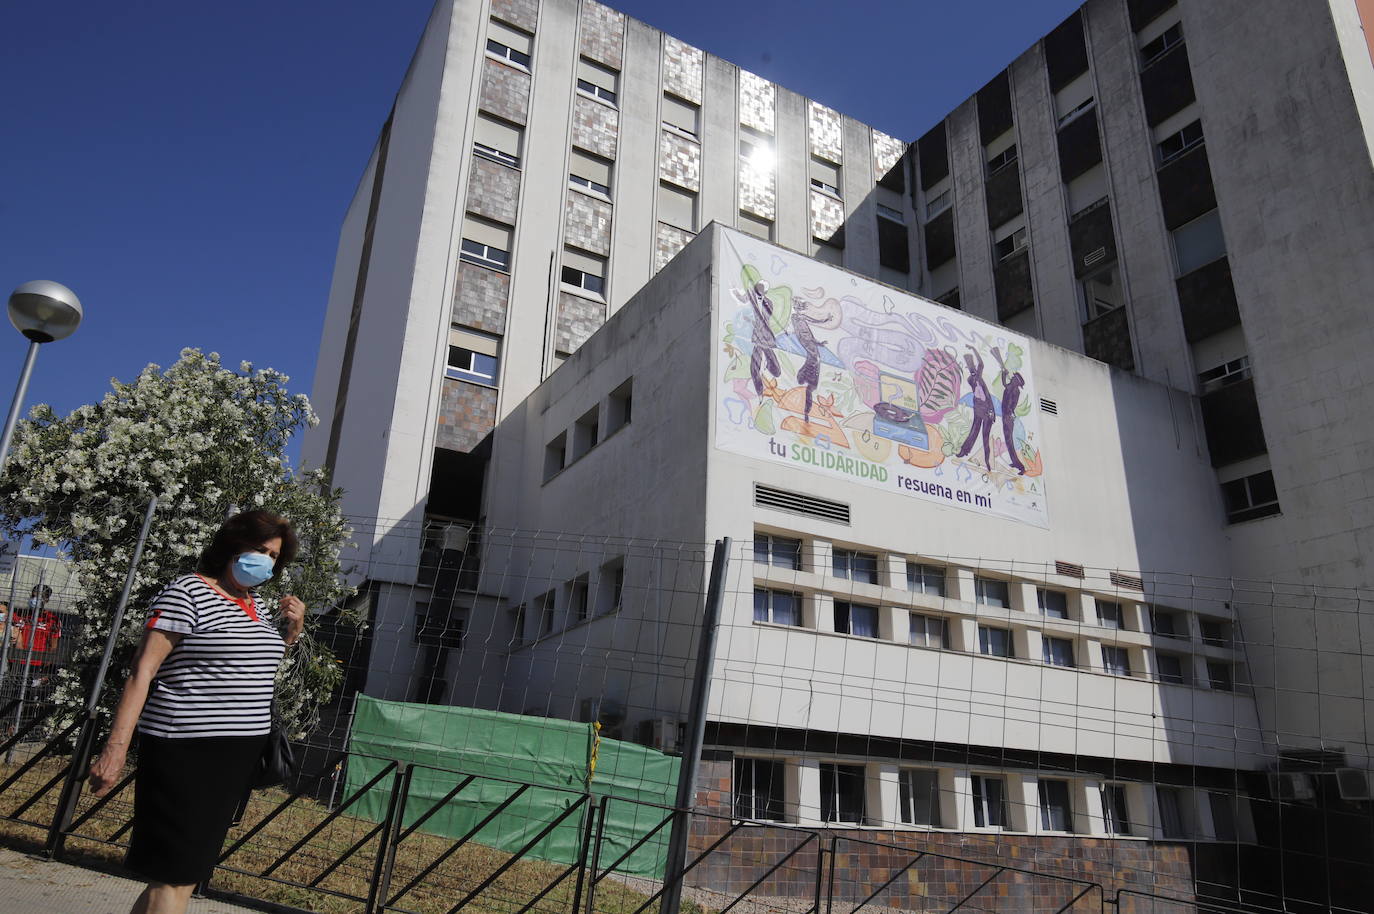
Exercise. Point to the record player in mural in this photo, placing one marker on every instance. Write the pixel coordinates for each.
(842, 376)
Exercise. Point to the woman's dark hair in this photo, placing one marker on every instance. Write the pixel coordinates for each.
(244, 533)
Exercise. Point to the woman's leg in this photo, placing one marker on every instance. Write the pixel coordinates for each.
(160, 898)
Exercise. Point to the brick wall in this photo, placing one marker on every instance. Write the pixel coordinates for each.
(467, 413)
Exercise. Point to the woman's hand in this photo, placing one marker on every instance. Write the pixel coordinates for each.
(107, 767)
(293, 610)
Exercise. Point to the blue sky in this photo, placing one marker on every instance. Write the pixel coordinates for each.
(183, 166)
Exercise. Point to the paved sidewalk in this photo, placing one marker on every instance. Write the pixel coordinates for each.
(29, 885)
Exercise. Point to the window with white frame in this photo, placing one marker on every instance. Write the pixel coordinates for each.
(584, 271)
(472, 364)
(926, 579)
(856, 619)
(1116, 660)
(1056, 814)
(991, 592)
(853, 565)
(1157, 47)
(680, 115)
(498, 140)
(1057, 651)
(509, 43)
(1116, 818)
(1176, 144)
(989, 801)
(927, 631)
(1232, 371)
(1110, 614)
(590, 172)
(759, 786)
(1001, 160)
(1053, 604)
(486, 243)
(842, 793)
(781, 607)
(825, 176)
(994, 642)
(597, 81)
(677, 206)
(1199, 242)
(918, 792)
(779, 551)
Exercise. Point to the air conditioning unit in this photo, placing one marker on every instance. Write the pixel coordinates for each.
(1353, 784)
(666, 734)
(1284, 785)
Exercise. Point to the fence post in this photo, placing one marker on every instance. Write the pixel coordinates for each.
(9, 616)
(596, 853)
(588, 823)
(85, 740)
(696, 733)
(31, 630)
(386, 844)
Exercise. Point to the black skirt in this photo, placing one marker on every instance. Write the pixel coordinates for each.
(185, 794)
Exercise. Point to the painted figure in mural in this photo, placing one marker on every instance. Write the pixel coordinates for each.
(763, 339)
(1011, 396)
(983, 410)
(809, 375)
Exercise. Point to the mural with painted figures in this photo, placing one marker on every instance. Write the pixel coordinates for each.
(825, 370)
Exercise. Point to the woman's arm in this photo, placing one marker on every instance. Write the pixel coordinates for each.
(106, 767)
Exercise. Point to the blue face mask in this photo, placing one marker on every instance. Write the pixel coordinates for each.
(252, 568)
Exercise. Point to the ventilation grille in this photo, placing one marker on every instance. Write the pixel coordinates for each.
(797, 503)
(1094, 256)
(1068, 569)
(1126, 581)
(1049, 406)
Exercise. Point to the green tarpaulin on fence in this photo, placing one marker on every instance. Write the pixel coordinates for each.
(561, 759)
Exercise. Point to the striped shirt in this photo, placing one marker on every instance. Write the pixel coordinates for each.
(219, 679)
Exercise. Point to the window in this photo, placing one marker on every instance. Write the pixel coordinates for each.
(991, 592)
(1075, 111)
(1171, 668)
(677, 207)
(1052, 603)
(938, 204)
(1087, 190)
(777, 550)
(584, 271)
(1224, 375)
(989, 802)
(596, 80)
(1010, 244)
(555, 456)
(919, 796)
(842, 793)
(467, 365)
(1250, 497)
(1102, 292)
(1116, 818)
(1115, 660)
(927, 631)
(928, 579)
(509, 44)
(1171, 821)
(1153, 50)
(1055, 812)
(1219, 676)
(1002, 159)
(590, 171)
(680, 115)
(611, 586)
(781, 607)
(756, 153)
(517, 624)
(995, 642)
(825, 176)
(1057, 651)
(1215, 632)
(756, 225)
(497, 140)
(579, 605)
(486, 243)
(855, 566)
(1176, 144)
(759, 787)
(586, 432)
(887, 212)
(620, 407)
(546, 607)
(1223, 806)
(1110, 614)
(856, 619)
(1199, 242)
(1167, 623)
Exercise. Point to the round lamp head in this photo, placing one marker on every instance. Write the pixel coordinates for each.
(45, 311)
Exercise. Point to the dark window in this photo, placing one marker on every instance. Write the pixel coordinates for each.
(1171, 669)
(1232, 372)
(1116, 661)
(486, 255)
(1010, 244)
(919, 794)
(927, 631)
(1052, 603)
(1223, 807)
(1115, 814)
(1167, 624)
(777, 550)
(583, 279)
(759, 789)
(925, 578)
(1169, 38)
(1250, 497)
(781, 607)
(855, 566)
(466, 365)
(1055, 811)
(1066, 53)
(1219, 676)
(989, 802)
(1057, 651)
(1215, 632)
(1174, 145)
(939, 240)
(1171, 812)
(579, 605)
(995, 642)
(1110, 614)
(994, 108)
(842, 793)
(856, 619)
(932, 153)
(992, 592)
(1231, 420)
(1002, 159)
(893, 250)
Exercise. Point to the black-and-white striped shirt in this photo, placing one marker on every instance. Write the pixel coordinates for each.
(218, 680)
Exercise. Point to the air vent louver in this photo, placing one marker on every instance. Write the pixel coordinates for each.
(797, 503)
(1069, 569)
(1125, 580)
(1049, 406)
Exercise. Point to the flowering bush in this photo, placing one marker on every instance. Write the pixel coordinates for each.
(206, 441)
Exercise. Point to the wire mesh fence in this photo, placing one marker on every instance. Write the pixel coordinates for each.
(912, 732)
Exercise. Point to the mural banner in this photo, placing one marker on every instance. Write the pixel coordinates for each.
(824, 370)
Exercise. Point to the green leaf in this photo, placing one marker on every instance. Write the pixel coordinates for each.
(763, 419)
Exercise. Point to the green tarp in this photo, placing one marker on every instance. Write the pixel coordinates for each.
(561, 759)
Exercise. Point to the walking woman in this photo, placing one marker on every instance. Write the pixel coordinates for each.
(200, 694)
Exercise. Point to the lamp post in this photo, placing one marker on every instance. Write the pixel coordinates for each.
(45, 312)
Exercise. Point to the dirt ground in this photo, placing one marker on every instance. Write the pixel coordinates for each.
(31, 885)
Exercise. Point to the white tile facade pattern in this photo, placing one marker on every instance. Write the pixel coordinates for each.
(827, 140)
(595, 127)
(601, 34)
(887, 151)
(587, 223)
(756, 189)
(679, 160)
(670, 240)
(757, 102)
(827, 215)
(682, 69)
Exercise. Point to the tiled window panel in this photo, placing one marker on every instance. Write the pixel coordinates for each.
(578, 319)
(524, 13)
(601, 34)
(506, 92)
(827, 139)
(595, 127)
(679, 160)
(887, 151)
(587, 223)
(682, 69)
(493, 190)
(827, 215)
(757, 102)
(669, 241)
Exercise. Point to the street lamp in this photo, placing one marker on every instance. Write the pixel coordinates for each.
(44, 312)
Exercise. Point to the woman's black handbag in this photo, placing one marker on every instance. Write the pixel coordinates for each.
(278, 762)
